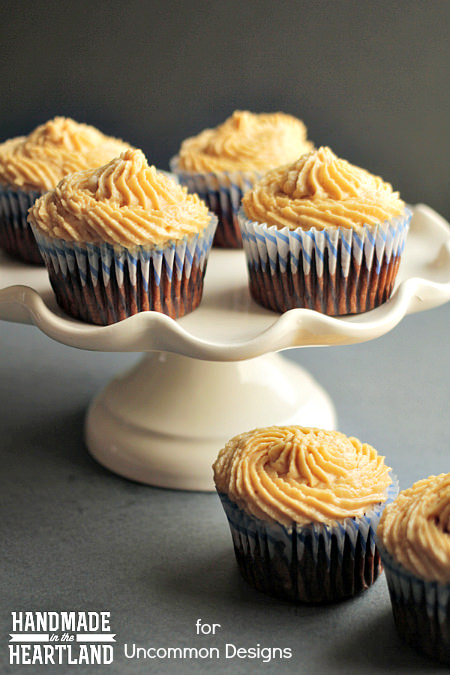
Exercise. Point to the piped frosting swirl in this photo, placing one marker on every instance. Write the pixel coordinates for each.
(53, 150)
(293, 474)
(125, 202)
(415, 528)
(246, 141)
(320, 190)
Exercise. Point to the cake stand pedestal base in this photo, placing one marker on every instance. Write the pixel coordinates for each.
(163, 422)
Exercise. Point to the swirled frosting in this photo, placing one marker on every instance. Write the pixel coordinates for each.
(246, 141)
(320, 190)
(295, 474)
(126, 202)
(415, 528)
(54, 150)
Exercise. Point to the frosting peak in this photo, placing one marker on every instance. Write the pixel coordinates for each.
(125, 202)
(241, 119)
(322, 175)
(64, 133)
(129, 181)
(298, 474)
(53, 150)
(246, 141)
(319, 190)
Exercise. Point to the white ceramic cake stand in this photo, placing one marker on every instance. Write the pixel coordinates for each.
(215, 372)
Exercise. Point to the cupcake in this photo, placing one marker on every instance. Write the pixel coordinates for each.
(121, 239)
(303, 505)
(414, 540)
(31, 165)
(322, 234)
(221, 164)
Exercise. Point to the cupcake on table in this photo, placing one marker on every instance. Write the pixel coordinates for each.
(122, 239)
(303, 505)
(31, 165)
(414, 540)
(220, 164)
(322, 234)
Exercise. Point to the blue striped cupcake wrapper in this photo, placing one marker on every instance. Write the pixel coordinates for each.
(16, 235)
(222, 192)
(100, 260)
(271, 248)
(328, 549)
(103, 283)
(335, 271)
(421, 608)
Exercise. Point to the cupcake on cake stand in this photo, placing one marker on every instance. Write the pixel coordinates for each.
(206, 377)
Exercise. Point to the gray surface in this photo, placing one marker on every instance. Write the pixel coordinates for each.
(368, 77)
(76, 537)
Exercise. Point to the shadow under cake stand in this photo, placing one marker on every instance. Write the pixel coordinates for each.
(216, 372)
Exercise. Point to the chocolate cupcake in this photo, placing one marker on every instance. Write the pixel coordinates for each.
(122, 239)
(220, 164)
(31, 165)
(322, 234)
(303, 505)
(414, 541)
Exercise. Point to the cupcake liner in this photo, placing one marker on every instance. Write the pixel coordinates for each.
(103, 284)
(222, 192)
(336, 271)
(421, 609)
(16, 236)
(313, 563)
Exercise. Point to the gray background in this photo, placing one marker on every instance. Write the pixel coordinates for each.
(370, 80)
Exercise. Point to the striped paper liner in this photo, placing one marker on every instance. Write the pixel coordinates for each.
(16, 236)
(313, 563)
(103, 284)
(334, 271)
(222, 192)
(421, 608)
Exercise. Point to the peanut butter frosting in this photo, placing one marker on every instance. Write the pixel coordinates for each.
(54, 150)
(126, 202)
(415, 528)
(319, 190)
(246, 141)
(294, 474)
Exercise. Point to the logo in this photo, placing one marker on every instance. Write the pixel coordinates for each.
(85, 638)
(70, 638)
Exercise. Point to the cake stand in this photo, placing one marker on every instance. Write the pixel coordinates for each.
(216, 372)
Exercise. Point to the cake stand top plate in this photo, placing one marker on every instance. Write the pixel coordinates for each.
(229, 325)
